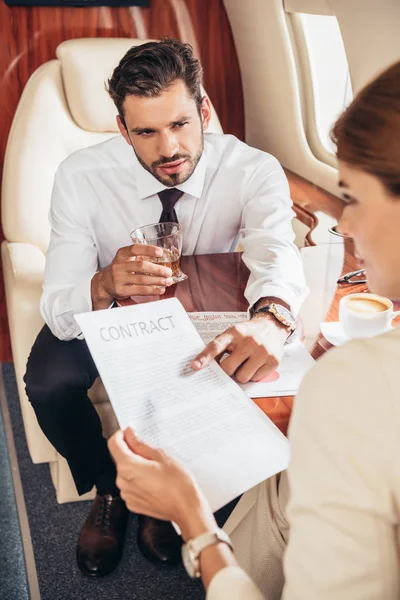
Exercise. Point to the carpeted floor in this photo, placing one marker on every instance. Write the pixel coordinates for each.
(13, 583)
(54, 530)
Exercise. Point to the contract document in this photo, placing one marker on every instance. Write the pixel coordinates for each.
(143, 354)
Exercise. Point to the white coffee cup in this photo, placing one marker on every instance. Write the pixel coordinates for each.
(365, 315)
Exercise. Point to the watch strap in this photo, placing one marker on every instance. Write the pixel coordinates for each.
(196, 546)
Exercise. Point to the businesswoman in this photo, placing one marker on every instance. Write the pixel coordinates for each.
(344, 476)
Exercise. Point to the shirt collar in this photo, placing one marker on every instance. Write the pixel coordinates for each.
(148, 185)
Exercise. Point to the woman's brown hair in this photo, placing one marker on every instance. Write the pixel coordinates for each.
(367, 134)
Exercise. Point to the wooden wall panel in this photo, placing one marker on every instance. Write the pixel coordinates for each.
(29, 37)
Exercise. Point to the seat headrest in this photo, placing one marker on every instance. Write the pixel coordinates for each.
(86, 65)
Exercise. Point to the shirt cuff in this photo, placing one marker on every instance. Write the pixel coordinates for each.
(254, 292)
(86, 292)
(81, 299)
(233, 583)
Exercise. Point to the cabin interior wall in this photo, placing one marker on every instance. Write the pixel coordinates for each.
(273, 79)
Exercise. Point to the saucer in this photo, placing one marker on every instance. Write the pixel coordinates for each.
(333, 333)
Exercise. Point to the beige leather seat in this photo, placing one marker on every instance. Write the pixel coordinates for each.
(63, 108)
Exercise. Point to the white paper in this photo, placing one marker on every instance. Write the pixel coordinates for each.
(295, 363)
(143, 355)
(211, 324)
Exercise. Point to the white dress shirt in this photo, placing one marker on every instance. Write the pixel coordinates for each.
(236, 193)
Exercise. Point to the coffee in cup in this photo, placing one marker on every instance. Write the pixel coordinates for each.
(365, 315)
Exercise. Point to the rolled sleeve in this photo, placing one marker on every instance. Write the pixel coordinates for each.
(267, 239)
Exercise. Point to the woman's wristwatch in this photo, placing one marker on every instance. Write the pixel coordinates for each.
(193, 548)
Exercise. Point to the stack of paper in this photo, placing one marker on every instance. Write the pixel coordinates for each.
(285, 381)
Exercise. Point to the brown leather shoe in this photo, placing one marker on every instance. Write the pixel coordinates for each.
(159, 542)
(101, 539)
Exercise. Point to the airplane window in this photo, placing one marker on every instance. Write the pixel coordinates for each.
(328, 76)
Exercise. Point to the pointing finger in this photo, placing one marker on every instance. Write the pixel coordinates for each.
(211, 351)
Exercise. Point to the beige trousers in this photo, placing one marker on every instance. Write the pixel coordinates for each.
(259, 532)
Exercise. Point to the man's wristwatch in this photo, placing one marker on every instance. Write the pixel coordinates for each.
(281, 314)
(193, 548)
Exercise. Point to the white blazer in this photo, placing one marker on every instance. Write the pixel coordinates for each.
(344, 476)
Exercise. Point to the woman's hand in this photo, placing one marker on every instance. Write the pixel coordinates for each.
(154, 484)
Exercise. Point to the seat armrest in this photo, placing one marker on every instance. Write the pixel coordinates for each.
(27, 263)
(23, 266)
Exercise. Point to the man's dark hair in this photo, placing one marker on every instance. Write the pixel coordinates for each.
(149, 69)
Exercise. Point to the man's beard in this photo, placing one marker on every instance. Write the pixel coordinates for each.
(174, 178)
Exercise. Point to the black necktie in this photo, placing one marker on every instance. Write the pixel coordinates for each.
(168, 199)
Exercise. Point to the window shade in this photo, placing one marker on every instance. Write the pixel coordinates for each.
(312, 7)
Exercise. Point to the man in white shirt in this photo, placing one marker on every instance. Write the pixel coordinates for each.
(162, 168)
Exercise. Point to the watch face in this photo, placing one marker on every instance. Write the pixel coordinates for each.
(283, 312)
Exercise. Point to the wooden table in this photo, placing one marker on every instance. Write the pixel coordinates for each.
(216, 282)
